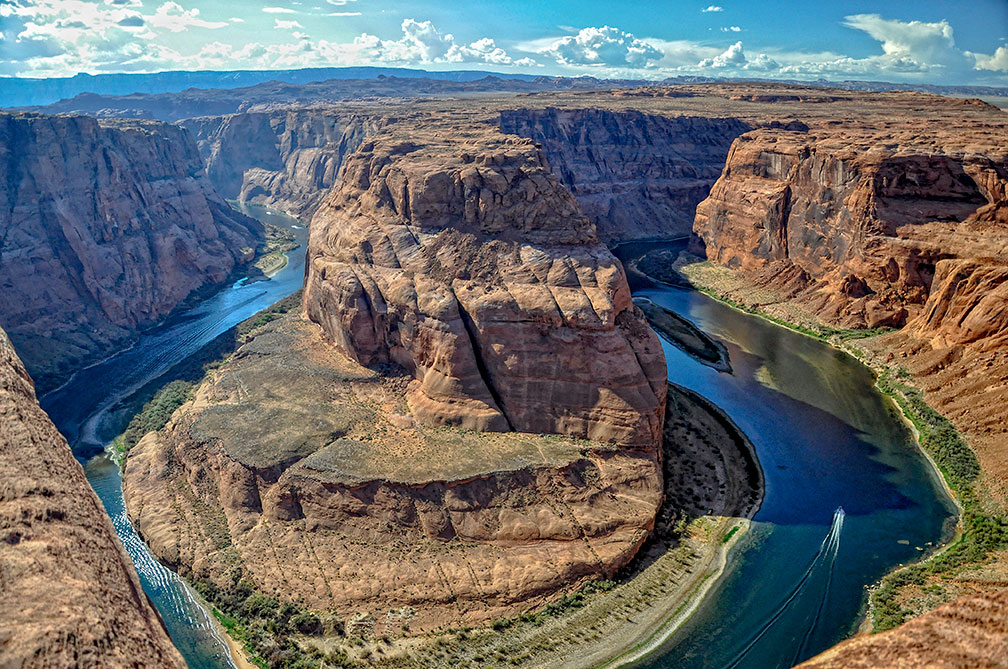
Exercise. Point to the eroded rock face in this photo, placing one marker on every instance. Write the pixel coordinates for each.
(70, 596)
(865, 223)
(635, 175)
(466, 262)
(302, 472)
(107, 227)
(970, 632)
(287, 159)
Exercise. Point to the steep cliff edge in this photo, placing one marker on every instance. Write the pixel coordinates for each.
(69, 595)
(386, 459)
(464, 260)
(107, 226)
(635, 175)
(284, 159)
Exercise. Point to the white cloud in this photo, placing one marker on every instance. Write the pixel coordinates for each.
(173, 17)
(712, 8)
(997, 62)
(279, 24)
(421, 42)
(278, 10)
(603, 46)
(732, 29)
(733, 56)
(343, 14)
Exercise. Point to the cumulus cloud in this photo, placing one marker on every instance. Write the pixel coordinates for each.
(712, 8)
(279, 24)
(734, 58)
(603, 46)
(997, 62)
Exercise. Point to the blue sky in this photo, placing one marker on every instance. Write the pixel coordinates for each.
(919, 41)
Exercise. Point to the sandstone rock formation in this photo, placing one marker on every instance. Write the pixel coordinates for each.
(465, 261)
(460, 270)
(306, 474)
(69, 596)
(857, 222)
(107, 227)
(635, 175)
(970, 632)
(287, 159)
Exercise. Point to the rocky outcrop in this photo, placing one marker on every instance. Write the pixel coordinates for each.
(305, 474)
(107, 227)
(970, 632)
(422, 489)
(856, 228)
(69, 596)
(465, 261)
(286, 159)
(635, 175)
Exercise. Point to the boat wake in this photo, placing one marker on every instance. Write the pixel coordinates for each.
(820, 570)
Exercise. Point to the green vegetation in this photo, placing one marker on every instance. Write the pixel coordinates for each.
(817, 331)
(155, 413)
(565, 604)
(729, 535)
(982, 532)
(267, 627)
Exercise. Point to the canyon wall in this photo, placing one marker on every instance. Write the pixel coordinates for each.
(635, 175)
(856, 225)
(107, 226)
(465, 261)
(284, 159)
(70, 596)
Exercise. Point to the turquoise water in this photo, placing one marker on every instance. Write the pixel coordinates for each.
(88, 411)
(827, 440)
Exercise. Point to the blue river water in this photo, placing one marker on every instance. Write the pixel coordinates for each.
(88, 411)
(827, 440)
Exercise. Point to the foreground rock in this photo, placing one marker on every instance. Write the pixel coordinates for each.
(108, 226)
(970, 632)
(70, 596)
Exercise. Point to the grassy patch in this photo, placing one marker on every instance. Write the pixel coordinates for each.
(982, 532)
(155, 413)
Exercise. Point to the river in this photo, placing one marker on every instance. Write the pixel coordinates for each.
(827, 440)
(825, 437)
(88, 410)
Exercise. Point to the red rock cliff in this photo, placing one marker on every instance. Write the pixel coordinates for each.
(70, 596)
(635, 175)
(469, 264)
(107, 227)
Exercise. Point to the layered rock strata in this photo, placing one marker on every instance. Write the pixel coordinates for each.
(286, 159)
(69, 596)
(635, 175)
(107, 227)
(465, 261)
(855, 223)
(421, 489)
(305, 473)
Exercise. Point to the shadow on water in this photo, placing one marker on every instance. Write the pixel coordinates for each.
(826, 439)
(91, 409)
